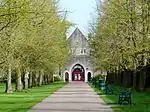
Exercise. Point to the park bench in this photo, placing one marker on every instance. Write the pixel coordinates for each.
(124, 96)
(108, 90)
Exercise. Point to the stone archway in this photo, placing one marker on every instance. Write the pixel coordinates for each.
(78, 73)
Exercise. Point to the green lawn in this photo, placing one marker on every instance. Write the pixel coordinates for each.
(22, 101)
(138, 100)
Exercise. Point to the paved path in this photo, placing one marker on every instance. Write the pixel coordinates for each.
(74, 97)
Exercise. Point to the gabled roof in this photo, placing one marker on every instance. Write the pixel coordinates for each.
(77, 31)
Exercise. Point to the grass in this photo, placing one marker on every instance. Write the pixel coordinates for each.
(22, 101)
(138, 100)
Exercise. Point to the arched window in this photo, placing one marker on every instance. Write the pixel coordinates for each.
(89, 76)
(67, 77)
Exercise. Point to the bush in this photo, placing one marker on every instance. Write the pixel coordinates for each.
(100, 77)
(57, 78)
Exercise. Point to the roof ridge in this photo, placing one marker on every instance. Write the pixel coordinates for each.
(77, 29)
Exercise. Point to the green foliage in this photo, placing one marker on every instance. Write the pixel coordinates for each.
(120, 37)
(57, 78)
(32, 35)
(99, 77)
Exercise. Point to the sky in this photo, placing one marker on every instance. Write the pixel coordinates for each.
(81, 13)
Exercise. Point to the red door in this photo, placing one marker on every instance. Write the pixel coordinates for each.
(77, 76)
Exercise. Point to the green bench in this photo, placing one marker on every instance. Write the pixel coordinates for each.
(124, 96)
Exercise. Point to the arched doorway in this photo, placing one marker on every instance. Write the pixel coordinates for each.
(78, 73)
(66, 77)
(89, 76)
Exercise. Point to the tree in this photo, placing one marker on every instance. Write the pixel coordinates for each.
(33, 38)
(121, 35)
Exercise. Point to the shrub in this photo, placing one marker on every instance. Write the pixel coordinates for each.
(57, 78)
(100, 77)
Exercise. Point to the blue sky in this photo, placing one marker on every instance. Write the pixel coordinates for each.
(81, 12)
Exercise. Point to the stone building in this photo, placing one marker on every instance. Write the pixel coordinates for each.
(79, 66)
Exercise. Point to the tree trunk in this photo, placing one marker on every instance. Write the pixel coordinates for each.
(44, 80)
(30, 79)
(129, 80)
(8, 81)
(134, 79)
(124, 78)
(26, 77)
(36, 78)
(19, 81)
(52, 79)
(142, 80)
(41, 77)
(47, 79)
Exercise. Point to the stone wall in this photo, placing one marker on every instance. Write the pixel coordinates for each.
(80, 54)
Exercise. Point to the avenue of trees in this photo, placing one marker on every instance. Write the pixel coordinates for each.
(32, 42)
(120, 41)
